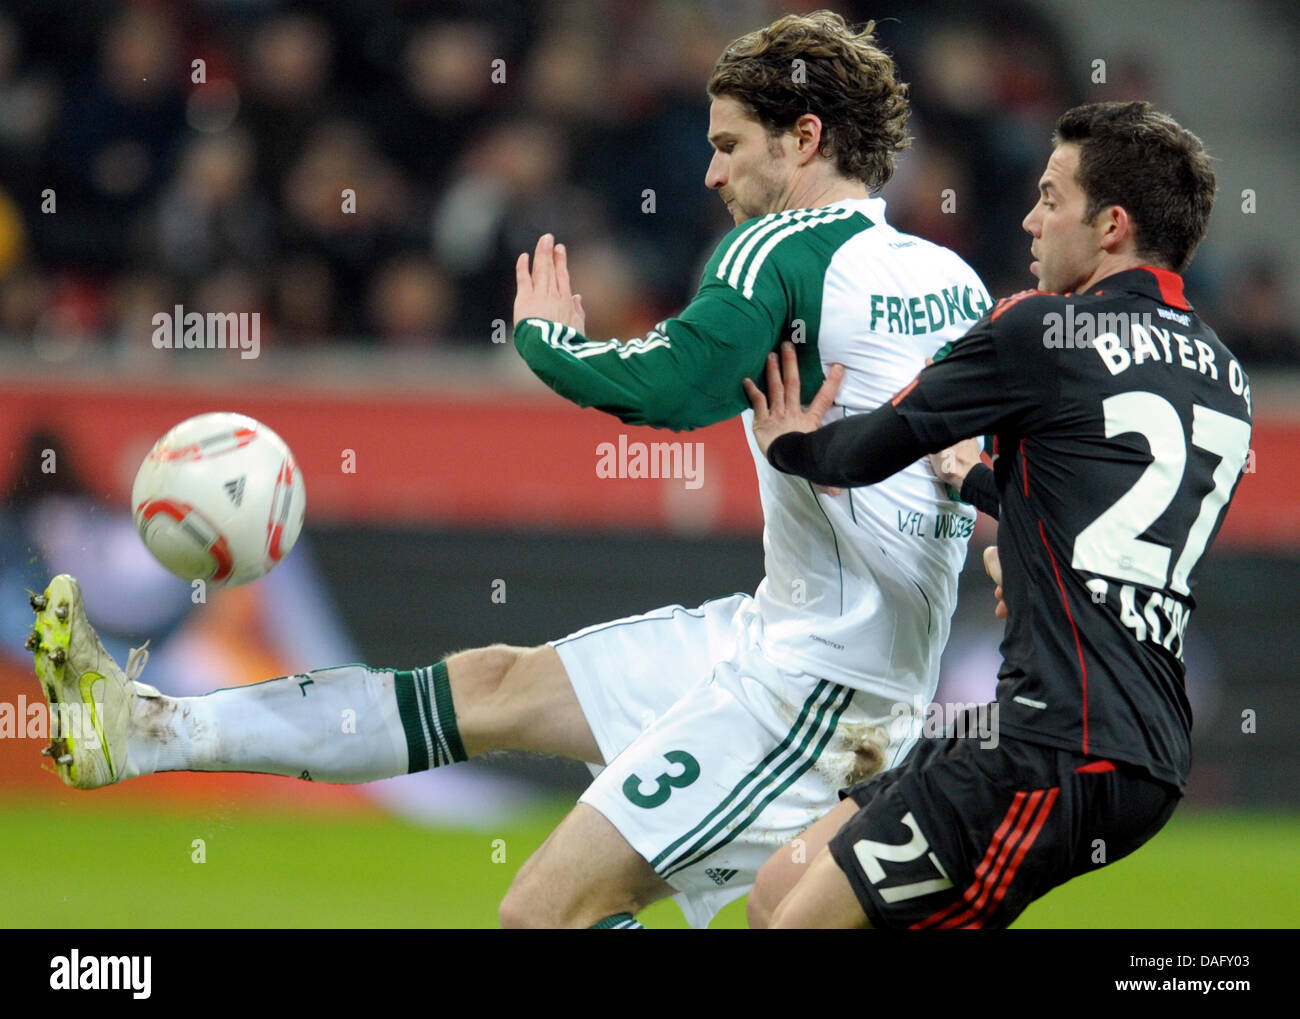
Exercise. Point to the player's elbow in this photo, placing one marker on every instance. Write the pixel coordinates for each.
(660, 408)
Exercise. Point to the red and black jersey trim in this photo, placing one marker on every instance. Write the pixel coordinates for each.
(1007, 303)
(1014, 837)
(1171, 287)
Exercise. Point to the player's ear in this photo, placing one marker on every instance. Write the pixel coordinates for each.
(808, 134)
(1117, 229)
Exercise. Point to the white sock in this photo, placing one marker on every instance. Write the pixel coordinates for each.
(332, 725)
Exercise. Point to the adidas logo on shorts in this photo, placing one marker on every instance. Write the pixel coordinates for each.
(720, 877)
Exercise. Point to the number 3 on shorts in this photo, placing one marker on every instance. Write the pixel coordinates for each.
(665, 783)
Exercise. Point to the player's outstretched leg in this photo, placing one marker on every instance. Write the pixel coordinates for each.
(346, 724)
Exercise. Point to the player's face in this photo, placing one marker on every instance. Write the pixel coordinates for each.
(750, 170)
(1065, 248)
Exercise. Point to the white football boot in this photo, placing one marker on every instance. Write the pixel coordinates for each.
(91, 699)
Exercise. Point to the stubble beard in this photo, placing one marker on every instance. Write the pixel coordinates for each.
(767, 198)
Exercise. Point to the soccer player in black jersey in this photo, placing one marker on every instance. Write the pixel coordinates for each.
(1121, 427)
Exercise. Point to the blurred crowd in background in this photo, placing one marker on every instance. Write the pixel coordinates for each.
(465, 130)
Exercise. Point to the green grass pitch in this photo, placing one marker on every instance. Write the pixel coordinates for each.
(135, 867)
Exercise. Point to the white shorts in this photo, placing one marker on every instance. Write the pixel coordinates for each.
(716, 757)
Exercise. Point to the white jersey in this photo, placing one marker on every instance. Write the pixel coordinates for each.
(861, 586)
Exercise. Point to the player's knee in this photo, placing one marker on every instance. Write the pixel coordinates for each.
(526, 906)
(515, 911)
(782, 918)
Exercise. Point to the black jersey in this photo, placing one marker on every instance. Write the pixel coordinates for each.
(1121, 428)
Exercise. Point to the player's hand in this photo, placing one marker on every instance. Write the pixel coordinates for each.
(544, 292)
(780, 411)
(993, 567)
(954, 463)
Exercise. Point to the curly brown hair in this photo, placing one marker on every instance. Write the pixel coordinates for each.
(1134, 156)
(815, 63)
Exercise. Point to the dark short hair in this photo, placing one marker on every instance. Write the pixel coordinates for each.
(1132, 155)
(844, 79)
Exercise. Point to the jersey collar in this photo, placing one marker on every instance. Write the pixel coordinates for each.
(1148, 280)
(873, 207)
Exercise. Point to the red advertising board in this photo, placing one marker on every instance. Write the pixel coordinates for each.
(526, 460)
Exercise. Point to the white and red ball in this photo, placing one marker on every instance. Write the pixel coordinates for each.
(219, 498)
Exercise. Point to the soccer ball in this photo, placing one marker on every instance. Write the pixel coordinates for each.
(219, 498)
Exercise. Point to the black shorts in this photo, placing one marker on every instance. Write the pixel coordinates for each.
(961, 835)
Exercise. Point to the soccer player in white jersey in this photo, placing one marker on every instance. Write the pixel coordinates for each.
(720, 731)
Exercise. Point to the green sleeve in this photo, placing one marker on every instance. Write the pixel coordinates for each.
(685, 373)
